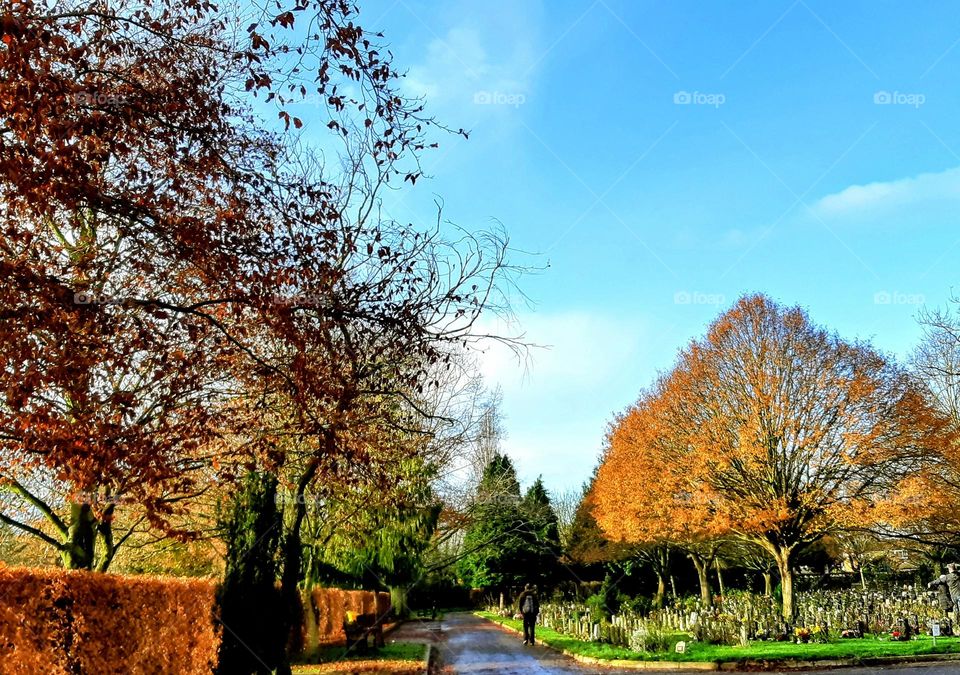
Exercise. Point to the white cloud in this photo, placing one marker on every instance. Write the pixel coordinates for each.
(458, 64)
(895, 202)
(576, 348)
(477, 67)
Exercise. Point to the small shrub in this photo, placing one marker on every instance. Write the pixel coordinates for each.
(606, 601)
(640, 604)
(650, 637)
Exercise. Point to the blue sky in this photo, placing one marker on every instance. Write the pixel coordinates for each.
(666, 157)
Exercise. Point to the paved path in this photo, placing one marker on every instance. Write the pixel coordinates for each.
(477, 647)
(473, 646)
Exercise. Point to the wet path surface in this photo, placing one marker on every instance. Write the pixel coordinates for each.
(473, 646)
(477, 647)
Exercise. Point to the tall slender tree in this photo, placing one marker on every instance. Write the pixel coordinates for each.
(253, 641)
(543, 535)
(494, 543)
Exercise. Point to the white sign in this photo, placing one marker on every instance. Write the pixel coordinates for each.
(935, 629)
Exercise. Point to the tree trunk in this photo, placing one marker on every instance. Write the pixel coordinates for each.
(702, 565)
(292, 564)
(105, 534)
(78, 550)
(501, 600)
(398, 598)
(661, 560)
(673, 586)
(784, 559)
(863, 579)
(716, 564)
(661, 591)
(311, 629)
(767, 583)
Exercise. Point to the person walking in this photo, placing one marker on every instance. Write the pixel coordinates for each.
(529, 606)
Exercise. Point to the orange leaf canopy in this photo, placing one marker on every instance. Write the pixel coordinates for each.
(769, 428)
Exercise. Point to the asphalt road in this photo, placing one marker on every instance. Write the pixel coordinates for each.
(474, 646)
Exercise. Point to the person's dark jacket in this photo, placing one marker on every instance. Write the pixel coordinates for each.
(536, 601)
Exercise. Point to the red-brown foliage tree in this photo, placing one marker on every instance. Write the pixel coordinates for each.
(171, 272)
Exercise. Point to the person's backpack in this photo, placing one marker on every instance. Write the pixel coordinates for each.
(527, 607)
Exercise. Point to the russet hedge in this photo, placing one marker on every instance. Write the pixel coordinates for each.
(59, 622)
(56, 621)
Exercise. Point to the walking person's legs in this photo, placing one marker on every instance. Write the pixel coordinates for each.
(528, 629)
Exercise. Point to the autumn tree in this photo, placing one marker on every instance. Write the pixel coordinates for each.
(587, 544)
(189, 291)
(694, 529)
(171, 265)
(924, 512)
(770, 429)
(138, 221)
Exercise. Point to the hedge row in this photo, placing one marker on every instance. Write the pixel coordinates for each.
(333, 604)
(60, 622)
(55, 621)
(330, 606)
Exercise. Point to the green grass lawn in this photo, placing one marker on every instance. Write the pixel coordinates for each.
(757, 651)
